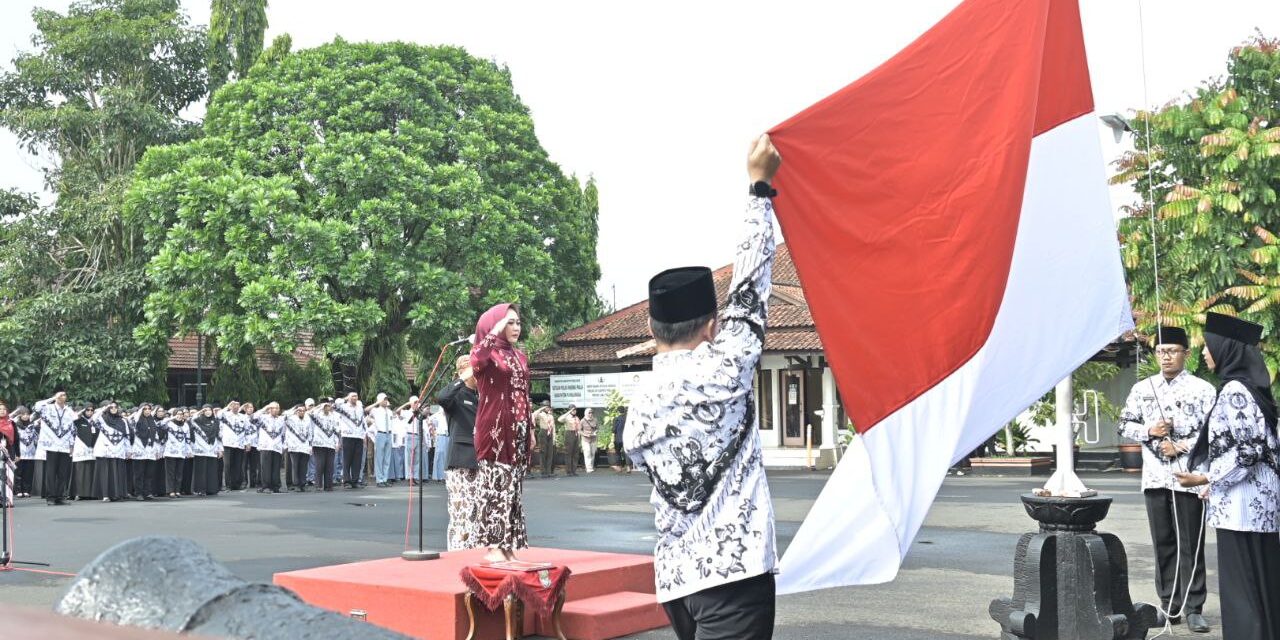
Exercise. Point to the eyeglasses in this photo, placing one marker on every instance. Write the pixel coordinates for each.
(1170, 352)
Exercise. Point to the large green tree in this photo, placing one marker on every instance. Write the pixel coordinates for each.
(103, 82)
(378, 196)
(236, 32)
(1211, 166)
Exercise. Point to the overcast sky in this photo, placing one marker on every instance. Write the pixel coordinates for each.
(659, 99)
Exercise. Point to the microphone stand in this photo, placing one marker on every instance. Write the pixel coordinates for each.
(421, 553)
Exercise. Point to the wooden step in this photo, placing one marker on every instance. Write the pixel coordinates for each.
(610, 616)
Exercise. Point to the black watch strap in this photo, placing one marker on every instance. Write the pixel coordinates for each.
(762, 189)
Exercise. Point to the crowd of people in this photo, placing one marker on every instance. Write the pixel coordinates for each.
(79, 452)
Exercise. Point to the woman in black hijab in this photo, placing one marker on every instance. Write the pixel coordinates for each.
(82, 455)
(110, 450)
(1235, 460)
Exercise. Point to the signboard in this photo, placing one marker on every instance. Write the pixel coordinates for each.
(567, 390)
(597, 387)
(594, 389)
(630, 382)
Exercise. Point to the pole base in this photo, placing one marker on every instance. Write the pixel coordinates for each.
(420, 555)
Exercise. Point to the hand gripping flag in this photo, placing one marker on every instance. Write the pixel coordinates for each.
(950, 222)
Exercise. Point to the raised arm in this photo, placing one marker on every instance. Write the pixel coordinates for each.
(743, 320)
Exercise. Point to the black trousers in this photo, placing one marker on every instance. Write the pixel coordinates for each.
(1249, 581)
(57, 476)
(234, 467)
(623, 460)
(324, 467)
(188, 474)
(298, 469)
(173, 472)
(1166, 537)
(740, 610)
(204, 475)
(352, 456)
(143, 473)
(252, 462)
(571, 453)
(269, 467)
(547, 443)
(25, 476)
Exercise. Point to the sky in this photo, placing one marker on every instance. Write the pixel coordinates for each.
(659, 100)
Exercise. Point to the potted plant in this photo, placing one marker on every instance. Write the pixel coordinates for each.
(1131, 456)
(1016, 460)
(605, 437)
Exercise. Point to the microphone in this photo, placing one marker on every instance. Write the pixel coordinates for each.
(471, 338)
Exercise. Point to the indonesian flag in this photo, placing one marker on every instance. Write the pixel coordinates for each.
(949, 217)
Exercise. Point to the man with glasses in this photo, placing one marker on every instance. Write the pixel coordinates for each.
(1165, 413)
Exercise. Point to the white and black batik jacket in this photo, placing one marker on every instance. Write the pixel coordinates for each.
(693, 430)
(177, 438)
(270, 431)
(352, 419)
(1185, 401)
(57, 426)
(1244, 490)
(325, 430)
(297, 434)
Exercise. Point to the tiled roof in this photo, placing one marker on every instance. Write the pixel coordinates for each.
(599, 341)
(182, 354)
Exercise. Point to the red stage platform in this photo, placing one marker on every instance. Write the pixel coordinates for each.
(609, 595)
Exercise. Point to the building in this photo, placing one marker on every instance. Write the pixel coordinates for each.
(796, 397)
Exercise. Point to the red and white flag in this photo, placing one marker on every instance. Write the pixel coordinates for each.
(949, 217)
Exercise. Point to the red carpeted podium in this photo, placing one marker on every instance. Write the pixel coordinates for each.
(609, 594)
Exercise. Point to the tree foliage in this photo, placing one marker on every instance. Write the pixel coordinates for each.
(104, 81)
(375, 195)
(237, 378)
(1213, 172)
(236, 32)
(295, 383)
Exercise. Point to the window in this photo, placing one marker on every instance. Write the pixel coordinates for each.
(764, 398)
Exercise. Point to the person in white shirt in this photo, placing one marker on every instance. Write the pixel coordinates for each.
(1234, 460)
(325, 442)
(692, 430)
(380, 419)
(399, 435)
(110, 451)
(1165, 413)
(177, 448)
(351, 416)
(415, 449)
(440, 443)
(57, 437)
(235, 427)
(270, 425)
(297, 442)
(206, 449)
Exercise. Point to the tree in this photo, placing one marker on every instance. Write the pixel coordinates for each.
(236, 32)
(105, 80)
(295, 383)
(1213, 172)
(379, 196)
(237, 377)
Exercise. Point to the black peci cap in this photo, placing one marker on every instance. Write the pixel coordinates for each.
(1170, 335)
(678, 295)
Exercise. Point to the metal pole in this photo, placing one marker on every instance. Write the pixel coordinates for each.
(199, 369)
(418, 466)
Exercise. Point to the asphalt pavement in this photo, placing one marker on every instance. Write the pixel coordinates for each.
(960, 561)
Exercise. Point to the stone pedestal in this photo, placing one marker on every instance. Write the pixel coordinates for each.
(1069, 581)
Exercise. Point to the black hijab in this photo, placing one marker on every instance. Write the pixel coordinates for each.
(1243, 363)
(208, 426)
(145, 429)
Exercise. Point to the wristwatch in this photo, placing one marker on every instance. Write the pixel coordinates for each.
(761, 189)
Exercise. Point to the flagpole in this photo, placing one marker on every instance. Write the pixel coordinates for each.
(1064, 483)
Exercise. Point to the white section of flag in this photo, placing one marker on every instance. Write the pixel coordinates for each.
(1065, 300)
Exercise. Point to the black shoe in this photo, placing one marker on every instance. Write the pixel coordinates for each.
(147, 498)
(262, 490)
(1197, 624)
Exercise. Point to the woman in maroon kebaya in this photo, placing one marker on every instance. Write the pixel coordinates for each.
(503, 437)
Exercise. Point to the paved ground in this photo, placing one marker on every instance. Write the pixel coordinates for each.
(960, 561)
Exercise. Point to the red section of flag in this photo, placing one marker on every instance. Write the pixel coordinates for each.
(900, 194)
